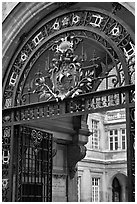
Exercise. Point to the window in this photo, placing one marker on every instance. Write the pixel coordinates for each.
(117, 139)
(95, 189)
(113, 139)
(95, 135)
(123, 138)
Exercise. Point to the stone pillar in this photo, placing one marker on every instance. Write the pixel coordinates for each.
(109, 194)
(72, 189)
(123, 193)
(75, 154)
(86, 191)
(76, 151)
(104, 187)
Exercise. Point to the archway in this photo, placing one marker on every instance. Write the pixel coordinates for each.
(59, 68)
(119, 188)
(116, 191)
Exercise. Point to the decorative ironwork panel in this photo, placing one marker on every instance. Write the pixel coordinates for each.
(71, 69)
(113, 98)
(56, 71)
(39, 111)
(6, 154)
(64, 71)
(34, 175)
(94, 103)
(6, 117)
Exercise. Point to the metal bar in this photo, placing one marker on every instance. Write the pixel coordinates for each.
(129, 171)
(29, 156)
(11, 161)
(71, 114)
(131, 197)
(67, 106)
(88, 95)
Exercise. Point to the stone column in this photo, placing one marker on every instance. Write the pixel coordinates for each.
(109, 194)
(72, 189)
(104, 187)
(86, 186)
(123, 193)
(75, 153)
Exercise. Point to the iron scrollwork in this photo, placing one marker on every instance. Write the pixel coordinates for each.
(40, 145)
(66, 76)
(92, 102)
(66, 73)
(6, 139)
(37, 137)
(111, 27)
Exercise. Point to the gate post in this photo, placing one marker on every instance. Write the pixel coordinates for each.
(130, 127)
(7, 157)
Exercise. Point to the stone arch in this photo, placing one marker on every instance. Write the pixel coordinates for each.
(25, 17)
(122, 178)
(101, 35)
(21, 16)
(123, 174)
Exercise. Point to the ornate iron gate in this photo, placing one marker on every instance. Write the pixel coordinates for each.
(34, 176)
(59, 69)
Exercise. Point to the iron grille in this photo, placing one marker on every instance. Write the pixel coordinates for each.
(34, 166)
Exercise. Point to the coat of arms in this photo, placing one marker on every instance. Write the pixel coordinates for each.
(65, 68)
(66, 75)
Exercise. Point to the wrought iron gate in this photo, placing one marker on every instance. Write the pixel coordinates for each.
(34, 176)
(75, 62)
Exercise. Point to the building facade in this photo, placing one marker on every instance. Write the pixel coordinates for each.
(62, 61)
(102, 174)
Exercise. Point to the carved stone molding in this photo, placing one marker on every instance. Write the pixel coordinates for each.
(75, 154)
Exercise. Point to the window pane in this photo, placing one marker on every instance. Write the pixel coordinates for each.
(116, 138)
(116, 145)
(123, 145)
(123, 138)
(95, 135)
(111, 146)
(111, 139)
(123, 142)
(123, 131)
(93, 181)
(111, 132)
(116, 132)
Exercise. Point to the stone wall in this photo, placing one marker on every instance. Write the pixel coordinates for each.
(7, 8)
